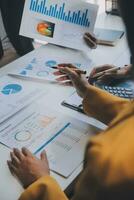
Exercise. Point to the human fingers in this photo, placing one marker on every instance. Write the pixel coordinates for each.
(109, 71)
(99, 69)
(90, 42)
(26, 152)
(109, 77)
(69, 72)
(68, 83)
(79, 71)
(57, 73)
(43, 157)
(115, 74)
(73, 77)
(106, 76)
(15, 161)
(68, 69)
(92, 73)
(69, 65)
(93, 38)
(62, 78)
(11, 167)
(100, 75)
(72, 67)
(18, 154)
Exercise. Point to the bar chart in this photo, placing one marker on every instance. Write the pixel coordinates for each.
(78, 17)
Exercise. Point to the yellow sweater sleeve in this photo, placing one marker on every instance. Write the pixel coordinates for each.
(102, 105)
(46, 188)
(109, 163)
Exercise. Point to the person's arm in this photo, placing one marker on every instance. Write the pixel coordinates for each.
(102, 105)
(45, 188)
(96, 102)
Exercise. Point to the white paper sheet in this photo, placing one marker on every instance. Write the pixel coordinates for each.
(59, 22)
(39, 66)
(38, 127)
(15, 95)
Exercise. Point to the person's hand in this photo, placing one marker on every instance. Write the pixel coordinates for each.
(61, 76)
(101, 74)
(26, 167)
(90, 40)
(73, 74)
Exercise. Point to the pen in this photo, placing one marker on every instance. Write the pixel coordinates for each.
(77, 108)
(106, 71)
(54, 67)
(76, 70)
(80, 71)
(91, 80)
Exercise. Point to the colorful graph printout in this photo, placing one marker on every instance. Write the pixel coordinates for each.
(61, 22)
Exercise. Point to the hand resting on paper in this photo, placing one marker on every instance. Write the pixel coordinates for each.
(26, 167)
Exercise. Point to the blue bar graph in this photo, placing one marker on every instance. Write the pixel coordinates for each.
(44, 10)
(56, 14)
(64, 16)
(77, 17)
(41, 7)
(55, 10)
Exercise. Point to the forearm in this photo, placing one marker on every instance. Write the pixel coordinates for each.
(46, 188)
(102, 105)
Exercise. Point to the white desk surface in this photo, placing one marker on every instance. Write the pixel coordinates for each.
(10, 189)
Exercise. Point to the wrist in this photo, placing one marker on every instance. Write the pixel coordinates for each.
(84, 92)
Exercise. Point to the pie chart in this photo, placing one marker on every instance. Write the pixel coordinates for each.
(11, 89)
(51, 63)
(42, 73)
(23, 136)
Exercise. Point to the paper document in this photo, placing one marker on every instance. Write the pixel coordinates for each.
(15, 95)
(40, 65)
(38, 127)
(61, 22)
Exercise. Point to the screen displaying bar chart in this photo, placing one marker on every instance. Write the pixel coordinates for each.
(59, 12)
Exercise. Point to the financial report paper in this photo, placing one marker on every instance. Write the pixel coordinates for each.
(40, 65)
(15, 95)
(61, 22)
(64, 138)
